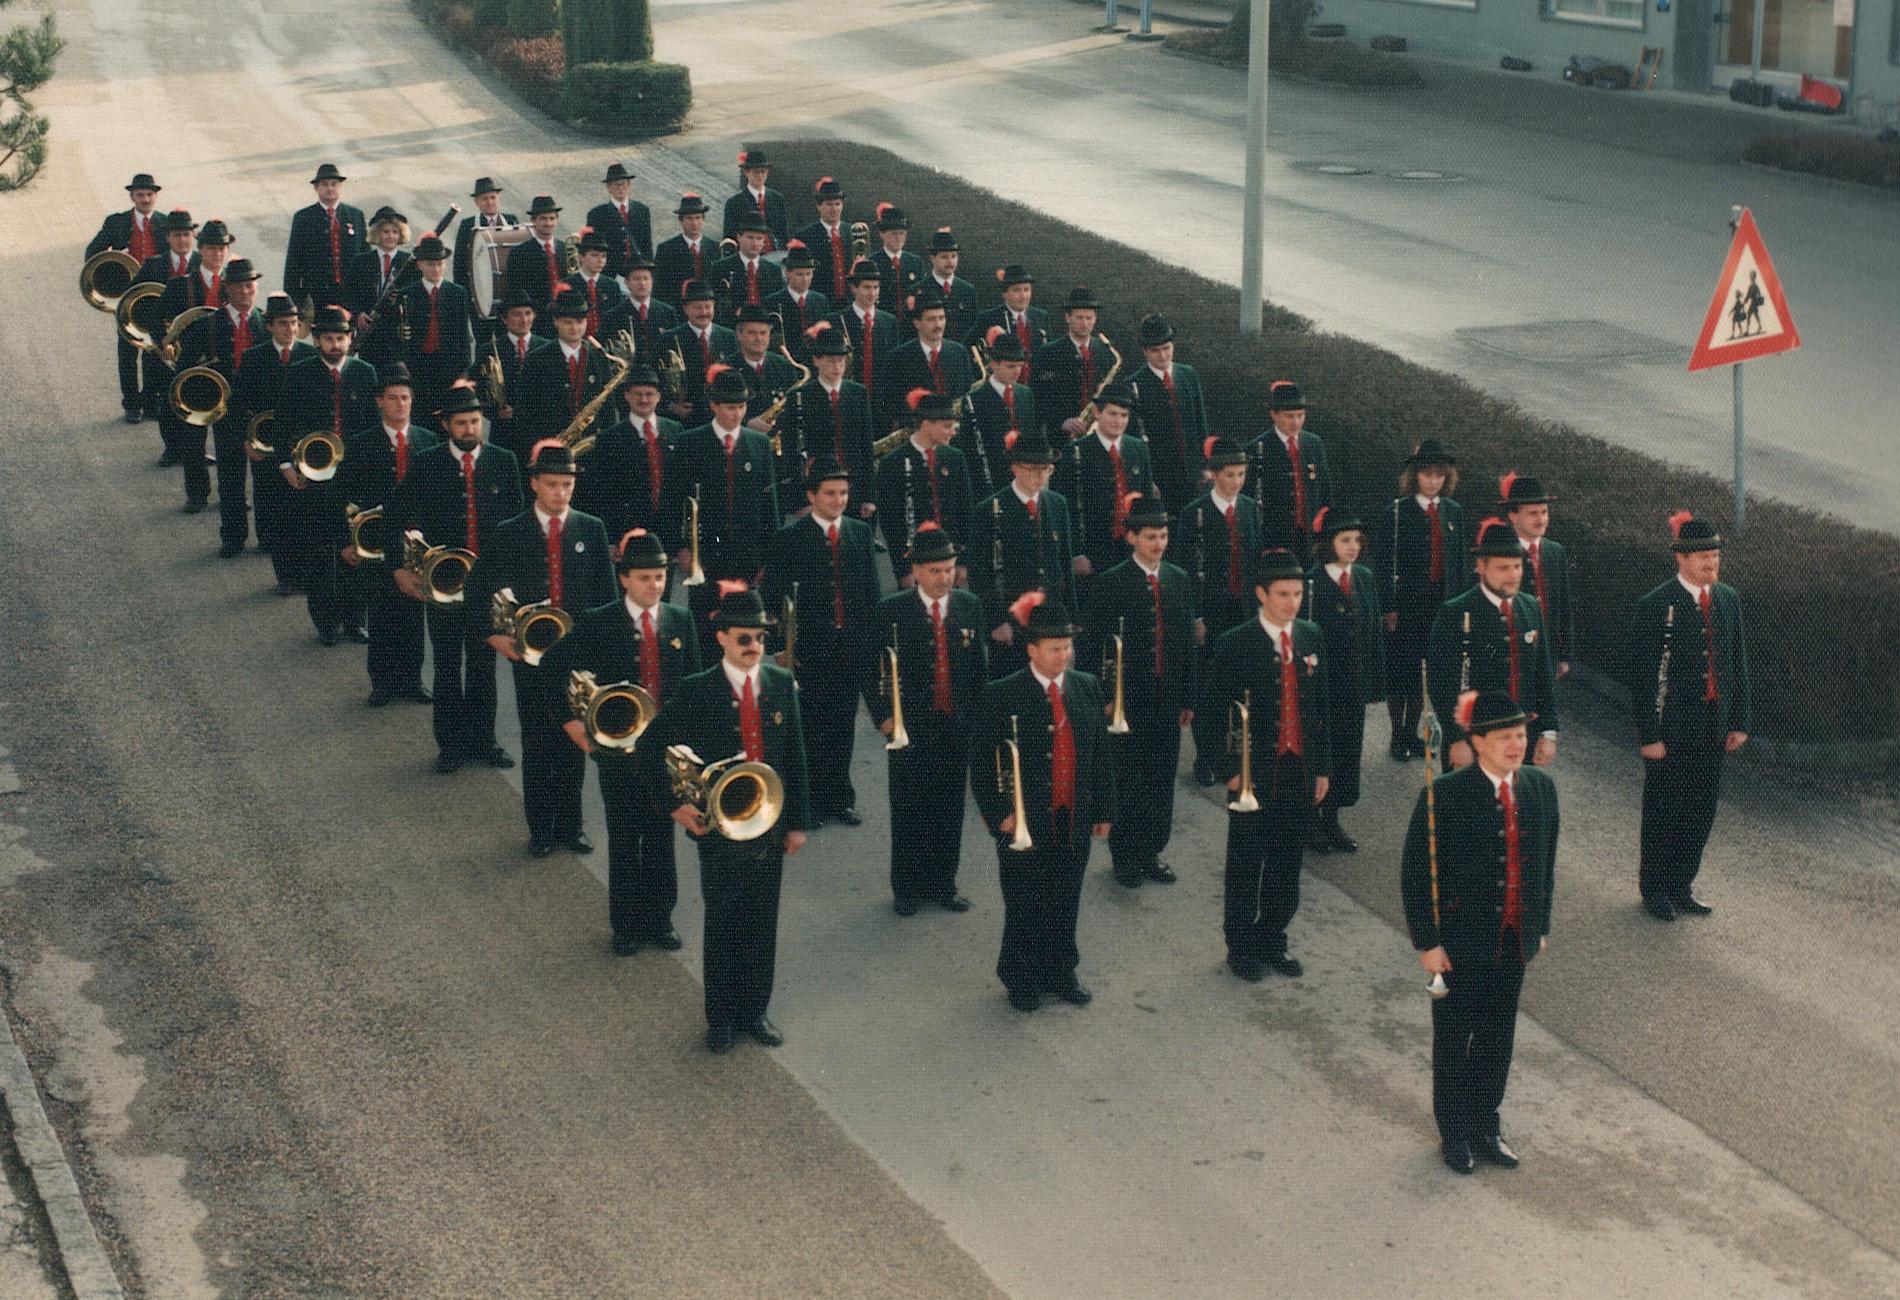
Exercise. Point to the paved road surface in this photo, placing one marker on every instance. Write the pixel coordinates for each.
(341, 1036)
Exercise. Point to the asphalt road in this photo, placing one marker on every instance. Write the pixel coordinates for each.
(334, 1034)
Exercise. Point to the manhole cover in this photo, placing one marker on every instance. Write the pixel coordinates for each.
(1333, 168)
(1574, 342)
(1424, 174)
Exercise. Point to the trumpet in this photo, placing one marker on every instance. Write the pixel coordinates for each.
(1240, 718)
(615, 715)
(1117, 711)
(106, 276)
(366, 530)
(740, 800)
(168, 347)
(900, 738)
(200, 395)
(789, 621)
(257, 431)
(317, 456)
(443, 570)
(1019, 841)
(137, 315)
(535, 627)
(575, 435)
(695, 576)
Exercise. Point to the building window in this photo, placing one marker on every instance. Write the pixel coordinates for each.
(1609, 13)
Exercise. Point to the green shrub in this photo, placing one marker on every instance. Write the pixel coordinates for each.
(607, 31)
(1290, 51)
(491, 13)
(1843, 157)
(640, 98)
(533, 17)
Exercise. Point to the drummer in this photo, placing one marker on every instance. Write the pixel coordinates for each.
(483, 288)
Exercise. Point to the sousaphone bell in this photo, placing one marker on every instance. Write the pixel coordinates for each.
(615, 715)
(443, 570)
(740, 800)
(106, 276)
(535, 627)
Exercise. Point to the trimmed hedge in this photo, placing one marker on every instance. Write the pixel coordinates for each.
(1291, 50)
(639, 98)
(534, 17)
(491, 13)
(607, 31)
(1841, 157)
(1822, 604)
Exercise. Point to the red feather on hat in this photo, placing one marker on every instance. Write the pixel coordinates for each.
(1677, 520)
(534, 452)
(930, 526)
(732, 586)
(915, 396)
(1009, 439)
(1467, 702)
(1024, 603)
(822, 182)
(1001, 275)
(584, 231)
(1207, 446)
(428, 234)
(992, 334)
(794, 243)
(1278, 384)
(742, 156)
(910, 301)
(943, 230)
(882, 208)
(1504, 486)
(716, 369)
(1487, 525)
(688, 194)
(1319, 520)
(620, 548)
(818, 329)
(1128, 501)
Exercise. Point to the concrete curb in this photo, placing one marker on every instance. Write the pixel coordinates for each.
(1832, 182)
(88, 1271)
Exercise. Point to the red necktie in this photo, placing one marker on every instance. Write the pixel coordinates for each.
(142, 244)
(336, 248)
(751, 728)
(800, 304)
(1709, 691)
(1061, 755)
(769, 243)
(554, 271)
(1154, 590)
(385, 283)
(699, 264)
(870, 331)
(214, 291)
(940, 698)
(936, 372)
(649, 655)
(241, 341)
(1299, 484)
(555, 593)
(837, 579)
(837, 423)
(1537, 577)
(593, 306)
(1174, 407)
(1289, 699)
(336, 401)
(1438, 544)
(1009, 402)
(752, 283)
(178, 265)
(1119, 508)
(837, 261)
(1088, 378)
(1022, 330)
(654, 465)
(936, 501)
(1233, 552)
(283, 356)
(576, 381)
(471, 535)
(1030, 506)
(1512, 923)
(521, 348)
(1510, 639)
(402, 454)
(732, 481)
(1345, 583)
(432, 341)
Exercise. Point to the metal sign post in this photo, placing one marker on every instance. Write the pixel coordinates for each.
(1253, 215)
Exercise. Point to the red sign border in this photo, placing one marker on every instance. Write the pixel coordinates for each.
(1747, 235)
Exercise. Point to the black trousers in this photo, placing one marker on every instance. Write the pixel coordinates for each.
(1474, 1027)
(134, 389)
(927, 790)
(186, 443)
(642, 883)
(234, 468)
(1264, 851)
(1042, 893)
(1145, 763)
(740, 886)
(331, 593)
(464, 713)
(828, 708)
(1220, 613)
(1680, 791)
(395, 630)
(553, 770)
(1404, 652)
(1346, 723)
(275, 530)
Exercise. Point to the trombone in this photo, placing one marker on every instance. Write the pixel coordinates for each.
(443, 570)
(740, 800)
(106, 276)
(615, 715)
(1240, 717)
(317, 456)
(696, 576)
(894, 687)
(1118, 711)
(1019, 841)
(366, 530)
(535, 627)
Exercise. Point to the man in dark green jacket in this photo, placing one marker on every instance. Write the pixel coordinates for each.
(1526, 504)
(1477, 877)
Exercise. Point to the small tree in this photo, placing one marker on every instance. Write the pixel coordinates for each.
(607, 31)
(27, 55)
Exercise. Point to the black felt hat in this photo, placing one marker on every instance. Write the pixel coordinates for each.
(1042, 616)
(639, 549)
(143, 181)
(1277, 563)
(1430, 452)
(1082, 298)
(1482, 712)
(1285, 395)
(1692, 534)
(690, 205)
(1497, 540)
(739, 606)
(930, 544)
(1028, 447)
(1154, 330)
(616, 172)
(328, 172)
(1516, 489)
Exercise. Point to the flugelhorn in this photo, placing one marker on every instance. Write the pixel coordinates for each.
(740, 800)
(1240, 717)
(900, 738)
(137, 314)
(1118, 710)
(366, 530)
(317, 456)
(443, 570)
(106, 276)
(535, 627)
(696, 575)
(1019, 841)
(615, 715)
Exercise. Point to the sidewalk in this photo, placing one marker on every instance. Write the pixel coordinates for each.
(24, 1244)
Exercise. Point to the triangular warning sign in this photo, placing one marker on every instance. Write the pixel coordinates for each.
(1749, 315)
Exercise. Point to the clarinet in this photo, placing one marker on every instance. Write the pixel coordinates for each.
(1200, 558)
(1395, 548)
(996, 546)
(1081, 504)
(968, 406)
(1662, 666)
(910, 507)
(1464, 662)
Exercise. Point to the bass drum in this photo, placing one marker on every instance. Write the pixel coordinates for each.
(488, 264)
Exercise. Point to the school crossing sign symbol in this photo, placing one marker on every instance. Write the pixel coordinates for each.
(1748, 317)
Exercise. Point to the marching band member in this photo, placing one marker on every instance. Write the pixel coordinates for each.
(1217, 540)
(871, 330)
(554, 553)
(370, 285)
(1418, 554)
(324, 239)
(766, 373)
(1017, 314)
(1275, 666)
(487, 216)
(557, 382)
(825, 565)
(201, 286)
(1343, 598)
(513, 344)
(536, 268)
(441, 344)
(1053, 715)
(1689, 690)
(260, 387)
(684, 258)
(745, 277)
(797, 306)
(1491, 638)
(927, 360)
(1096, 474)
(898, 269)
(604, 297)
(138, 231)
(1477, 879)
(174, 261)
(224, 341)
(738, 706)
(1290, 475)
(923, 478)
(638, 638)
(1149, 604)
(828, 241)
(623, 221)
(1523, 501)
(756, 201)
(640, 313)
(937, 632)
(1172, 408)
(701, 344)
(457, 493)
(1067, 371)
(729, 470)
(633, 480)
(833, 413)
(991, 410)
(957, 295)
(1020, 541)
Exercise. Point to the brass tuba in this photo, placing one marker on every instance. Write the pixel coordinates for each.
(740, 800)
(1019, 841)
(106, 276)
(317, 456)
(366, 530)
(443, 570)
(1239, 718)
(894, 685)
(615, 715)
(200, 395)
(137, 314)
(535, 628)
(168, 347)
(1118, 711)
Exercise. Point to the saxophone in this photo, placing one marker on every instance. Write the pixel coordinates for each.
(575, 435)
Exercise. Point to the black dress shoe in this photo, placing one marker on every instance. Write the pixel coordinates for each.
(167, 459)
(327, 636)
(1341, 842)
(1660, 908)
(134, 417)
(1128, 877)
(1494, 1150)
(580, 844)
(1284, 965)
(1458, 1157)
(625, 945)
(1316, 841)
(1400, 749)
(719, 1039)
(379, 698)
(540, 848)
(765, 1033)
(667, 940)
(418, 696)
(1247, 968)
(230, 550)
(1690, 904)
(359, 635)
(1159, 872)
(1075, 994)
(904, 906)
(499, 757)
(194, 507)
(1025, 999)
(446, 763)
(848, 817)
(283, 587)
(954, 903)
